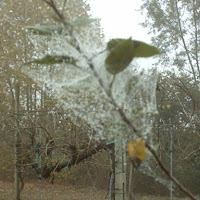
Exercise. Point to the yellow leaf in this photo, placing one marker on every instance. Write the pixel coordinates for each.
(137, 149)
(168, 106)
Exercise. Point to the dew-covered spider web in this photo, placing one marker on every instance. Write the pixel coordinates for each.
(82, 96)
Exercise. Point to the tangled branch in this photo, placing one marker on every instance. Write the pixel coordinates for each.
(78, 159)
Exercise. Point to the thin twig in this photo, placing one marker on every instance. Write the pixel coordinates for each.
(64, 4)
(183, 40)
(165, 170)
(121, 112)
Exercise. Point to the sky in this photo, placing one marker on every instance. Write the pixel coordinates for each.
(119, 18)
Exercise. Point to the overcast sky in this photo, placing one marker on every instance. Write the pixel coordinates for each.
(119, 18)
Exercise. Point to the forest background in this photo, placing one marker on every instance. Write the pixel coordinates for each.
(42, 120)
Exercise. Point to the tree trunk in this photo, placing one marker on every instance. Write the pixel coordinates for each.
(17, 144)
(112, 174)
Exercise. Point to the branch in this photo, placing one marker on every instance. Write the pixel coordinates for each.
(183, 40)
(92, 151)
(165, 170)
(196, 37)
(75, 159)
(52, 5)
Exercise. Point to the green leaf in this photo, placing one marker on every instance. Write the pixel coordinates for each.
(82, 21)
(122, 52)
(113, 43)
(120, 56)
(49, 60)
(46, 30)
(144, 50)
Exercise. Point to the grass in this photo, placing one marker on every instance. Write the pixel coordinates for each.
(47, 191)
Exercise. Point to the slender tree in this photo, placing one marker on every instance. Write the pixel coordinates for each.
(174, 27)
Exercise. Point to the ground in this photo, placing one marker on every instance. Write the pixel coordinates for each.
(47, 191)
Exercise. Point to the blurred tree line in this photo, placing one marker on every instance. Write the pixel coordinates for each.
(50, 141)
(47, 137)
(174, 27)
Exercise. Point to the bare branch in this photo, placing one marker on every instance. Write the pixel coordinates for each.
(84, 155)
(183, 40)
(175, 181)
